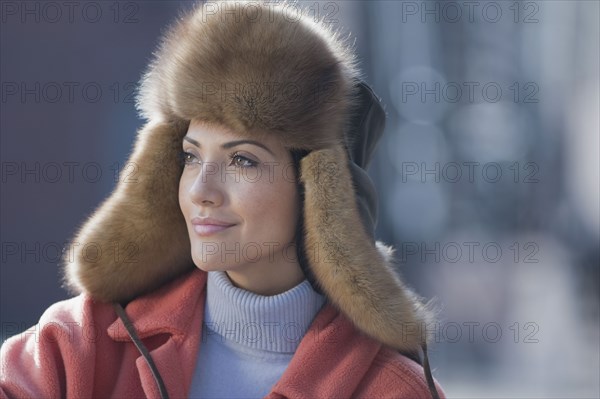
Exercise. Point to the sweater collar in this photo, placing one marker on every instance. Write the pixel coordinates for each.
(273, 323)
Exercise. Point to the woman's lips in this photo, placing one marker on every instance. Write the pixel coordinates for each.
(205, 230)
(205, 226)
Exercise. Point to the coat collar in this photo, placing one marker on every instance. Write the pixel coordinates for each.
(332, 343)
(167, 310)
(331, 360)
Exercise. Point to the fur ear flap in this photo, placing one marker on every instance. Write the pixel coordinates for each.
(137, 239)
(356, 275)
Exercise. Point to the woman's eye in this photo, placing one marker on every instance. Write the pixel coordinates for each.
(188, 158)
(242, 162)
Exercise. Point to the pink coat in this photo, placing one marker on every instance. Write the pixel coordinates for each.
(80, 349)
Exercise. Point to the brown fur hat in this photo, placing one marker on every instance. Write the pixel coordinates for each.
(259, 68)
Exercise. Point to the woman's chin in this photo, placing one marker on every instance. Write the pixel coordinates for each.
(209, 267)
(213, 265)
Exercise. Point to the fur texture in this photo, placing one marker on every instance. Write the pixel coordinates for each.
(137, 239)
(356, 275)
(258, 70)
(254, 67)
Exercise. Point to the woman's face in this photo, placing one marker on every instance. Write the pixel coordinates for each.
(240, 202)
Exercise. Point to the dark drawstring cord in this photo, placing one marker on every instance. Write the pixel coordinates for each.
(143, 350)
(428, 376)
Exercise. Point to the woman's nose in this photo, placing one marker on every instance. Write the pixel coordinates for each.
(207, 189)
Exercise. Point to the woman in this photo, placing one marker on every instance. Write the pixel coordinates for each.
(239, 261)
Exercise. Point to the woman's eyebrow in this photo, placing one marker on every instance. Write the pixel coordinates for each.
(191, 140)
(238, 142)
(232, 144)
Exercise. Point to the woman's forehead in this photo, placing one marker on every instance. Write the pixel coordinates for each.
(208, 132)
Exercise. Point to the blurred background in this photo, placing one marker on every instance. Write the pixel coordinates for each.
(488, 171)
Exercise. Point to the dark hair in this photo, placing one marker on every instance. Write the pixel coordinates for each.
(297, 156)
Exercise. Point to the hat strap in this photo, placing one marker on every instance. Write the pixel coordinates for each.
(142, 348)
(428, 376)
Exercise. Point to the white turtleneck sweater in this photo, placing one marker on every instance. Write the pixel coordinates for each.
(247, 339)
